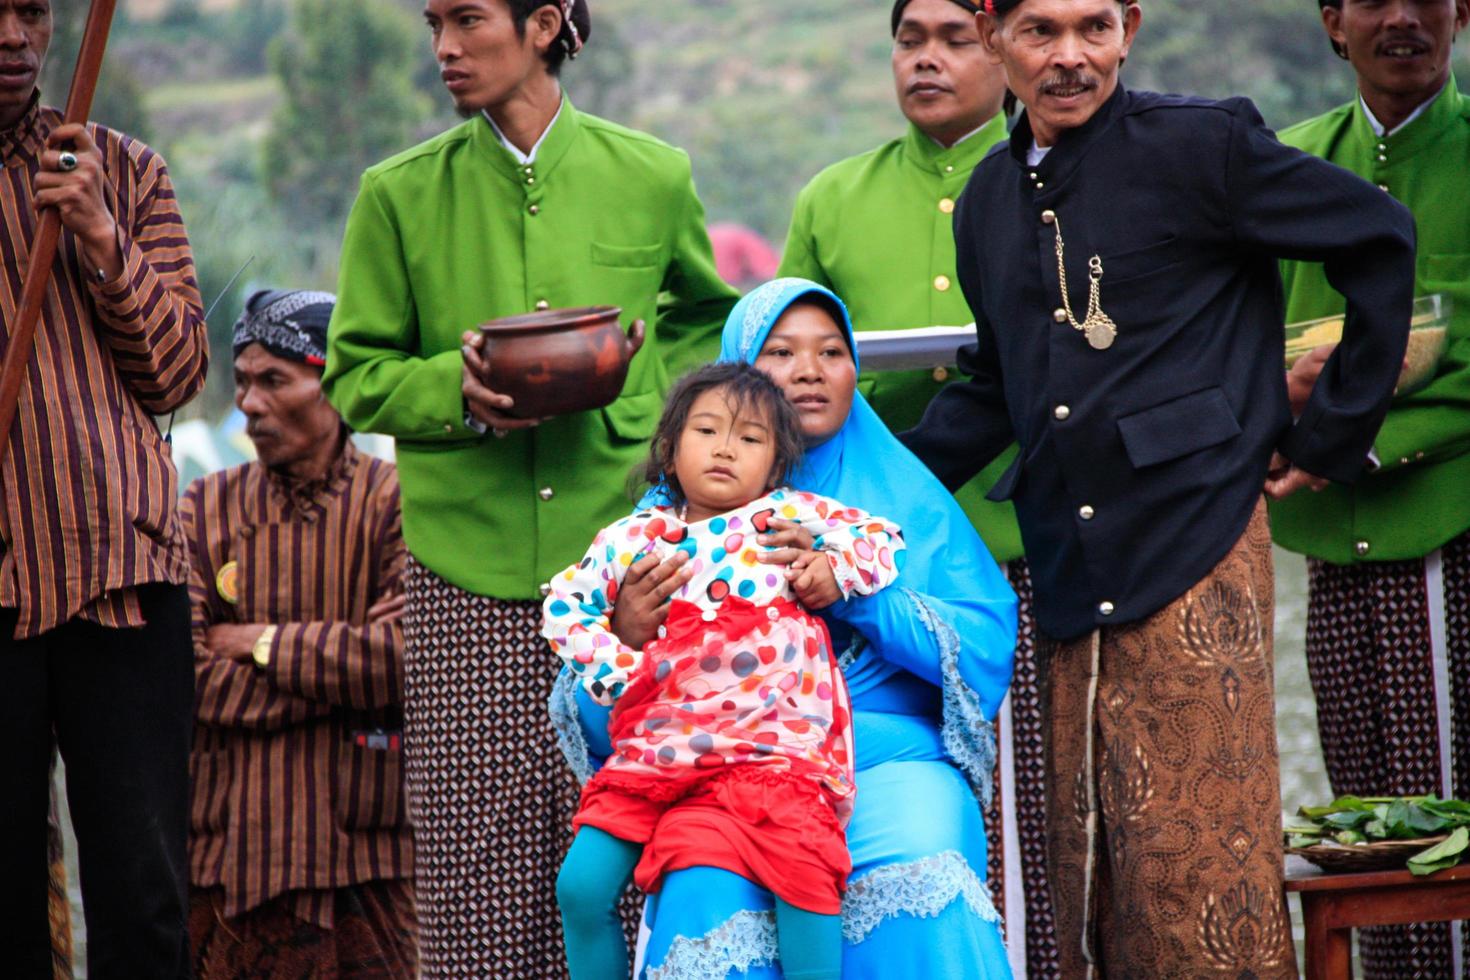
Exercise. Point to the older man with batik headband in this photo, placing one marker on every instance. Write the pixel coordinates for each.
(300, 852)
(1388, 610)
(527, 205)
(290, 324)
(1121, 262)
(903, 193)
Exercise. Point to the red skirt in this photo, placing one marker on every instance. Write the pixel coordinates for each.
(729, 754)
(772, 826)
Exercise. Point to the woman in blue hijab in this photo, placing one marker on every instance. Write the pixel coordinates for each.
(927, 664)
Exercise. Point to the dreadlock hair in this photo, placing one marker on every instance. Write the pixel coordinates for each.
(556, 55)
(747, 390)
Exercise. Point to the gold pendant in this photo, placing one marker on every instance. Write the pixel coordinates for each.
(1100, 331)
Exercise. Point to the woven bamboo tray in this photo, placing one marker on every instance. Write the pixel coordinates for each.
(1386, 855)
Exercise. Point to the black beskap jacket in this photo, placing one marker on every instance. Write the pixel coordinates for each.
(1140, 465)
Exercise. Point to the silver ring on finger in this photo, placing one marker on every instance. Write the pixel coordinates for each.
(66, 160)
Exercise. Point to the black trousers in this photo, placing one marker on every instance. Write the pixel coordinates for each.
(120, 703)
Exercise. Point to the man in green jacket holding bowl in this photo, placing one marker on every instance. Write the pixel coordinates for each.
(1388, 619)
(527, 205)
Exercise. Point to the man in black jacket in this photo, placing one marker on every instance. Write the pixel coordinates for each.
(1150, 407)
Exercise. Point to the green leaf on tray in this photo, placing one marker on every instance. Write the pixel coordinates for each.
(1445, 854)
(1348, 819)
(1360, 820)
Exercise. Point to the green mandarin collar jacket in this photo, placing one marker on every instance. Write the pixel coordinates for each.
(877, 230)
(455, 232)
(1420, 497)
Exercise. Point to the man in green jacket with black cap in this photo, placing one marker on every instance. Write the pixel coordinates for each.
(527, 205)
(1388, 620)
(877, 229)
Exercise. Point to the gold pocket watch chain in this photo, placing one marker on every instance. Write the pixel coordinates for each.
(1097, 326)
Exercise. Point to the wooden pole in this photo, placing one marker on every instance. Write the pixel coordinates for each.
(48, 226)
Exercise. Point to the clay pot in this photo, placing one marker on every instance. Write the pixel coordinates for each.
(557, 361)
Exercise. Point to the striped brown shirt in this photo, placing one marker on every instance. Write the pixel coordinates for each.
(296, 767)
(89, 492)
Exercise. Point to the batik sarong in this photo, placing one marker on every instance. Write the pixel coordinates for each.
(1015, 822)
(1388, 651)
(1164, 803)
(373, 937)
(490, 798)
(58, 901)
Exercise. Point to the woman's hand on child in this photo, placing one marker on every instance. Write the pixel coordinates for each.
(787, 539)
(813, 580)
(643, 601)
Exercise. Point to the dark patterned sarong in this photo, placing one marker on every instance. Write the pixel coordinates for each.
(1015, 823)
(1388, 651)
(1164, 804)
(373, 937)
(490, 798)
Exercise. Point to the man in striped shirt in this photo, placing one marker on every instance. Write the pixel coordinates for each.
(94, 615)
(300, 851)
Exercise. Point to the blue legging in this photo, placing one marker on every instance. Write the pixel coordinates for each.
(592, 878)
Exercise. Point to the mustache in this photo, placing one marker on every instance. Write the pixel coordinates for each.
(1067, 80)
(1410, 38)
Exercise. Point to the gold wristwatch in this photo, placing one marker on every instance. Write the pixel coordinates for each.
(261, 651)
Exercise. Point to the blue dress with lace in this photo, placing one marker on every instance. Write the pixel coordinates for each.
(928, 662)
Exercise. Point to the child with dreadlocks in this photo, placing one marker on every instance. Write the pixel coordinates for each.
(731, 731)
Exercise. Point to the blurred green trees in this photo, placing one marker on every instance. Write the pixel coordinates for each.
(345, 72)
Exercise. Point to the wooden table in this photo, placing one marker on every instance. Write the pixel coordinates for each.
(1333, 905)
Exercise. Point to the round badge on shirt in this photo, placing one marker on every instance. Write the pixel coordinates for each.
(228, 582)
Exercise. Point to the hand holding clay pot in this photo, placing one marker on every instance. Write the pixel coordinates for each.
(555, 362)
(485, 406)
(521, 369)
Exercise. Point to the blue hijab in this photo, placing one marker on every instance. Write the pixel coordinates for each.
(950, 620)
(864, 465)
(943, 637)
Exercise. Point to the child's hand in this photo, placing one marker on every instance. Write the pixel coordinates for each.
(812, 580)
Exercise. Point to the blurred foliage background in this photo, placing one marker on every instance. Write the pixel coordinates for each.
(268, 110)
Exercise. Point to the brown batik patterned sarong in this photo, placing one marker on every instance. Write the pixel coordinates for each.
(374, 937)
(1380, 679)
(1164, 802)
(58, 902)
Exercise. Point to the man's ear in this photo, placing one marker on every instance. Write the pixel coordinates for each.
(1462, 16)
(989, 27)
(1332, 21)
(1132, 18)
(544, 26)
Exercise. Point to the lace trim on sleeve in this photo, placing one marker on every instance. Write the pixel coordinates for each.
(744, 940)
(566, 721)
(968, 737)
(922, 888)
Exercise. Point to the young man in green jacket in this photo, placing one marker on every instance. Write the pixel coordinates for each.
(1388, 620)
(877, 230)
(527, 205)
